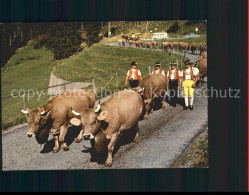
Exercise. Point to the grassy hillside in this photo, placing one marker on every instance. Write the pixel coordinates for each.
(27, 69)
(100, 59)
(30, 69)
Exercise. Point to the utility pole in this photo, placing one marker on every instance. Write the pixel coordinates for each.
(146, 29)
(109, 29)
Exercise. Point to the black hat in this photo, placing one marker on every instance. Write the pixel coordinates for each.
(188, 62)
(157, 64)
(133, 63)
(173, 64)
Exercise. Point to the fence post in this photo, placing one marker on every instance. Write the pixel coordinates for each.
(116, 75)
(24, 104)
(149, 70)
(94, 86)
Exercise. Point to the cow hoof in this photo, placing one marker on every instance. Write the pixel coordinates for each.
(108, 163)
(55, 150)
(78, 140)
(66, 148)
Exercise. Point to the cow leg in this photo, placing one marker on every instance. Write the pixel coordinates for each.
(79, 137)
(113, 140)
(164, 103)
(137, 130)
(56, 143)
(63, 132)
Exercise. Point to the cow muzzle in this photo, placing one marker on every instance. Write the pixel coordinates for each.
(30, 134)
(88, 136)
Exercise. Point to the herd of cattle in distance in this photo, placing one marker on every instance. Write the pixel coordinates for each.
(181, 46)
(102, 125)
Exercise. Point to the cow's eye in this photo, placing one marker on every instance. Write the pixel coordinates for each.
(93, 122)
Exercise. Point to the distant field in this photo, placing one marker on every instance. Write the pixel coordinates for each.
(30, 69)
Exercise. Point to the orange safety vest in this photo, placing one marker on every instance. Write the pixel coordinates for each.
(176, 75)
(191, 73)
(160, 71)
(136, 74)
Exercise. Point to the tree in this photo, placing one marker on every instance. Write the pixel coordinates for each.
(92, 30)
(174, 28)
(63, 39)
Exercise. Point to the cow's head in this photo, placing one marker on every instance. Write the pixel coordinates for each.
(37, 119)
(91, 120)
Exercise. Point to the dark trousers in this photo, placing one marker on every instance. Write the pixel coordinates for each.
(173, 85)
(134, 83)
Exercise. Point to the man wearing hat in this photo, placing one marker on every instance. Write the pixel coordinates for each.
(158, 69)
(133, 75)
(190, 77)
(173, 76)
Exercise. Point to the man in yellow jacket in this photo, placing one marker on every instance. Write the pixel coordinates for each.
(190, 77)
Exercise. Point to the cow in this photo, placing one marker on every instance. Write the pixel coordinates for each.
(202, 66)
(130, 43)
(54, 116)
(203, 48)
(155, 44)
(120, 112)
(203, 55)
(194, 47)
(149, 45)
(121, 42)
(136, 38)
(165, 45)
(125, 37)
(152, 89)
(183, 46)
(138, 43)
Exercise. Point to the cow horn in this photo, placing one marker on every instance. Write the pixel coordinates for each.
(43, 112)
(74, 112)
(98, 108)
(25, 111)
(48, 114)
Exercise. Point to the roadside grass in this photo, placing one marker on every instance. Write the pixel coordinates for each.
(31, 69)
(196, 155)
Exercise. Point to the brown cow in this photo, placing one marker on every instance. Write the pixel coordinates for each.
(183, 46)
(203, 55)
(130, 43)
(54, 116)
(194, 47)
(165, 45)
(202, 66)
(153, 88)
(139, 43)
(121, 42)
(125, 37)
(203, 48)
(154, 44)
(149, 45)
(121, 112)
